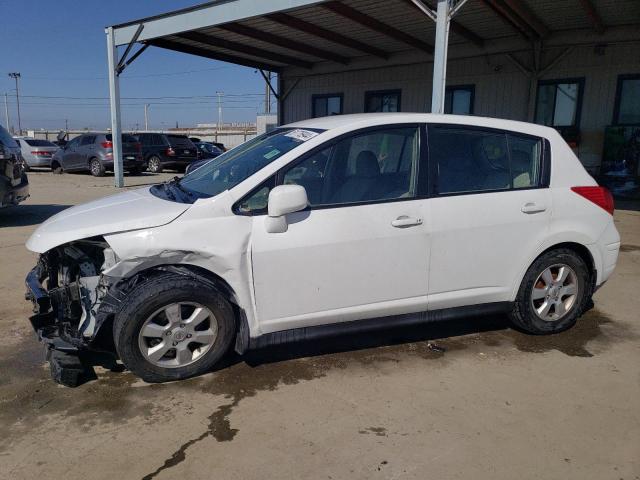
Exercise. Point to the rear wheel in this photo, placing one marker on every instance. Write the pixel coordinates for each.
(553, 293)
(96, 167)
(56, 168)
(172, 327)
(155, 165)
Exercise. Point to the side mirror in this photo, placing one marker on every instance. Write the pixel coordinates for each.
(284, 199)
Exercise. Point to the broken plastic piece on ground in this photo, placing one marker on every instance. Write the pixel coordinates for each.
(436, 348)
(68, 369)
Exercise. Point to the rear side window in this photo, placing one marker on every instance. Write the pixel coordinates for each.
(125, 138)
(476, 160)
(180, 141)
(88, 140)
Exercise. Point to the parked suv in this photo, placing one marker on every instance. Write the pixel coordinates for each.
(94, 152)
(161, 150)
(14, 184)
(335, 224)
(36, 152)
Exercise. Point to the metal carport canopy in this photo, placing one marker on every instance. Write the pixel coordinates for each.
(328, 35)
(193, 30)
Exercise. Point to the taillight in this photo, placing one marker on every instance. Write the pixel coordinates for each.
(41, 154)
(598, 195)
(107, 144)
(171, 152)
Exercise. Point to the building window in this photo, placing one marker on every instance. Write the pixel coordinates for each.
(627, 107)
(326, 104)
(559, 102)
(382, 101)
(458, 100)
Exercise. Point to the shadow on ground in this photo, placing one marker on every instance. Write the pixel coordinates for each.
(26, 215)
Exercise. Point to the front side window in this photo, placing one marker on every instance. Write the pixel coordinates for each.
(382, 101)
(232, 167)
(326, 105)
(459, 100)
(371, 166)
(559, 103)
(627, 108)
(474, 160)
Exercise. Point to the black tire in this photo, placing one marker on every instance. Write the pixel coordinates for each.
(56, 168)
(154, 293)
(155, 164)
(524, 316)
(96, 167)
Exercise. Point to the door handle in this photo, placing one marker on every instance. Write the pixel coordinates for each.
(404, 221)
(532, 207)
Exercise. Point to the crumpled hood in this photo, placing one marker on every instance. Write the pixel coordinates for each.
(130, 210)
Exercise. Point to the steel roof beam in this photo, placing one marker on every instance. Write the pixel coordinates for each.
(509, 16)
(376, 25)
(321, 32)
(428, 9)
(242, 48)
(283, 42)
(528, 17)
(596, 19)
(203, 52)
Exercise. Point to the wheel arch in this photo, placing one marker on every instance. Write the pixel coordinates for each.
(122, 286)
(579, 248)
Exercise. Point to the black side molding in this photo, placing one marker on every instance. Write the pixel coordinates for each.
(382, 323)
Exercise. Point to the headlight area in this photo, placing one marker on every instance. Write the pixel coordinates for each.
(69, 296)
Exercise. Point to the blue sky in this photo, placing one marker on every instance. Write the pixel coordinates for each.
(59, 47)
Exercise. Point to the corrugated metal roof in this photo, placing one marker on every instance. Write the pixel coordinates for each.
(485, 19)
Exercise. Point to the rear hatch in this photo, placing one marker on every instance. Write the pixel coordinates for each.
(183, 147)
(130, 145)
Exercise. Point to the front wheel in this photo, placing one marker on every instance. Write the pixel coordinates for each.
(553, 293)
(96, 167)
(173, 326)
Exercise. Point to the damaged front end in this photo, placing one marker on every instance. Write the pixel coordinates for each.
(72, 300)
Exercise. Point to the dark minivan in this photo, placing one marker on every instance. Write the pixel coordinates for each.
(165, 150)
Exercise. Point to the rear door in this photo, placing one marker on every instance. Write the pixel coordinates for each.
(490, 209)
(362, 248)
(85, 151)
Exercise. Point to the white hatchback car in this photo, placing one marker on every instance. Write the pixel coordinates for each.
(330, 225)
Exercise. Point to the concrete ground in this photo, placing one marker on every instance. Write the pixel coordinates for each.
(457, 400)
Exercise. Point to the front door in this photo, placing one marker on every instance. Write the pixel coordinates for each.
(490, 210)
(361, 250)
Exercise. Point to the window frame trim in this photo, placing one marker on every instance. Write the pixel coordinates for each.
(320, 96)
(545, 161)
(371, 93)
(580, 81)
(470, 87)
(616, 103)
(421, 187)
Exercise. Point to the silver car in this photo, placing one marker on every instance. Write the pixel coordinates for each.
(36, 152)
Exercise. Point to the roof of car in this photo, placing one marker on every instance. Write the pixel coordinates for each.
(363, 120)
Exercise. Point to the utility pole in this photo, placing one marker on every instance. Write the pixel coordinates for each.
(6, 109)
(146, 117)
(267, 94)
(219, 94)
(66, 125)
(16, 76)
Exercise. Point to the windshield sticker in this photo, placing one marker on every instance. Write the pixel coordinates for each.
(271, 154)
(301, 135)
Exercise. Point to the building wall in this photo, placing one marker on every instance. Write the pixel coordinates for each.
(501, 88)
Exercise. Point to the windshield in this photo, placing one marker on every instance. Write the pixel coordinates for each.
(235, 166)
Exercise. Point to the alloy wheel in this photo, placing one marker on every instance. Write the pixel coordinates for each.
(177, 334)
(555, 292)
